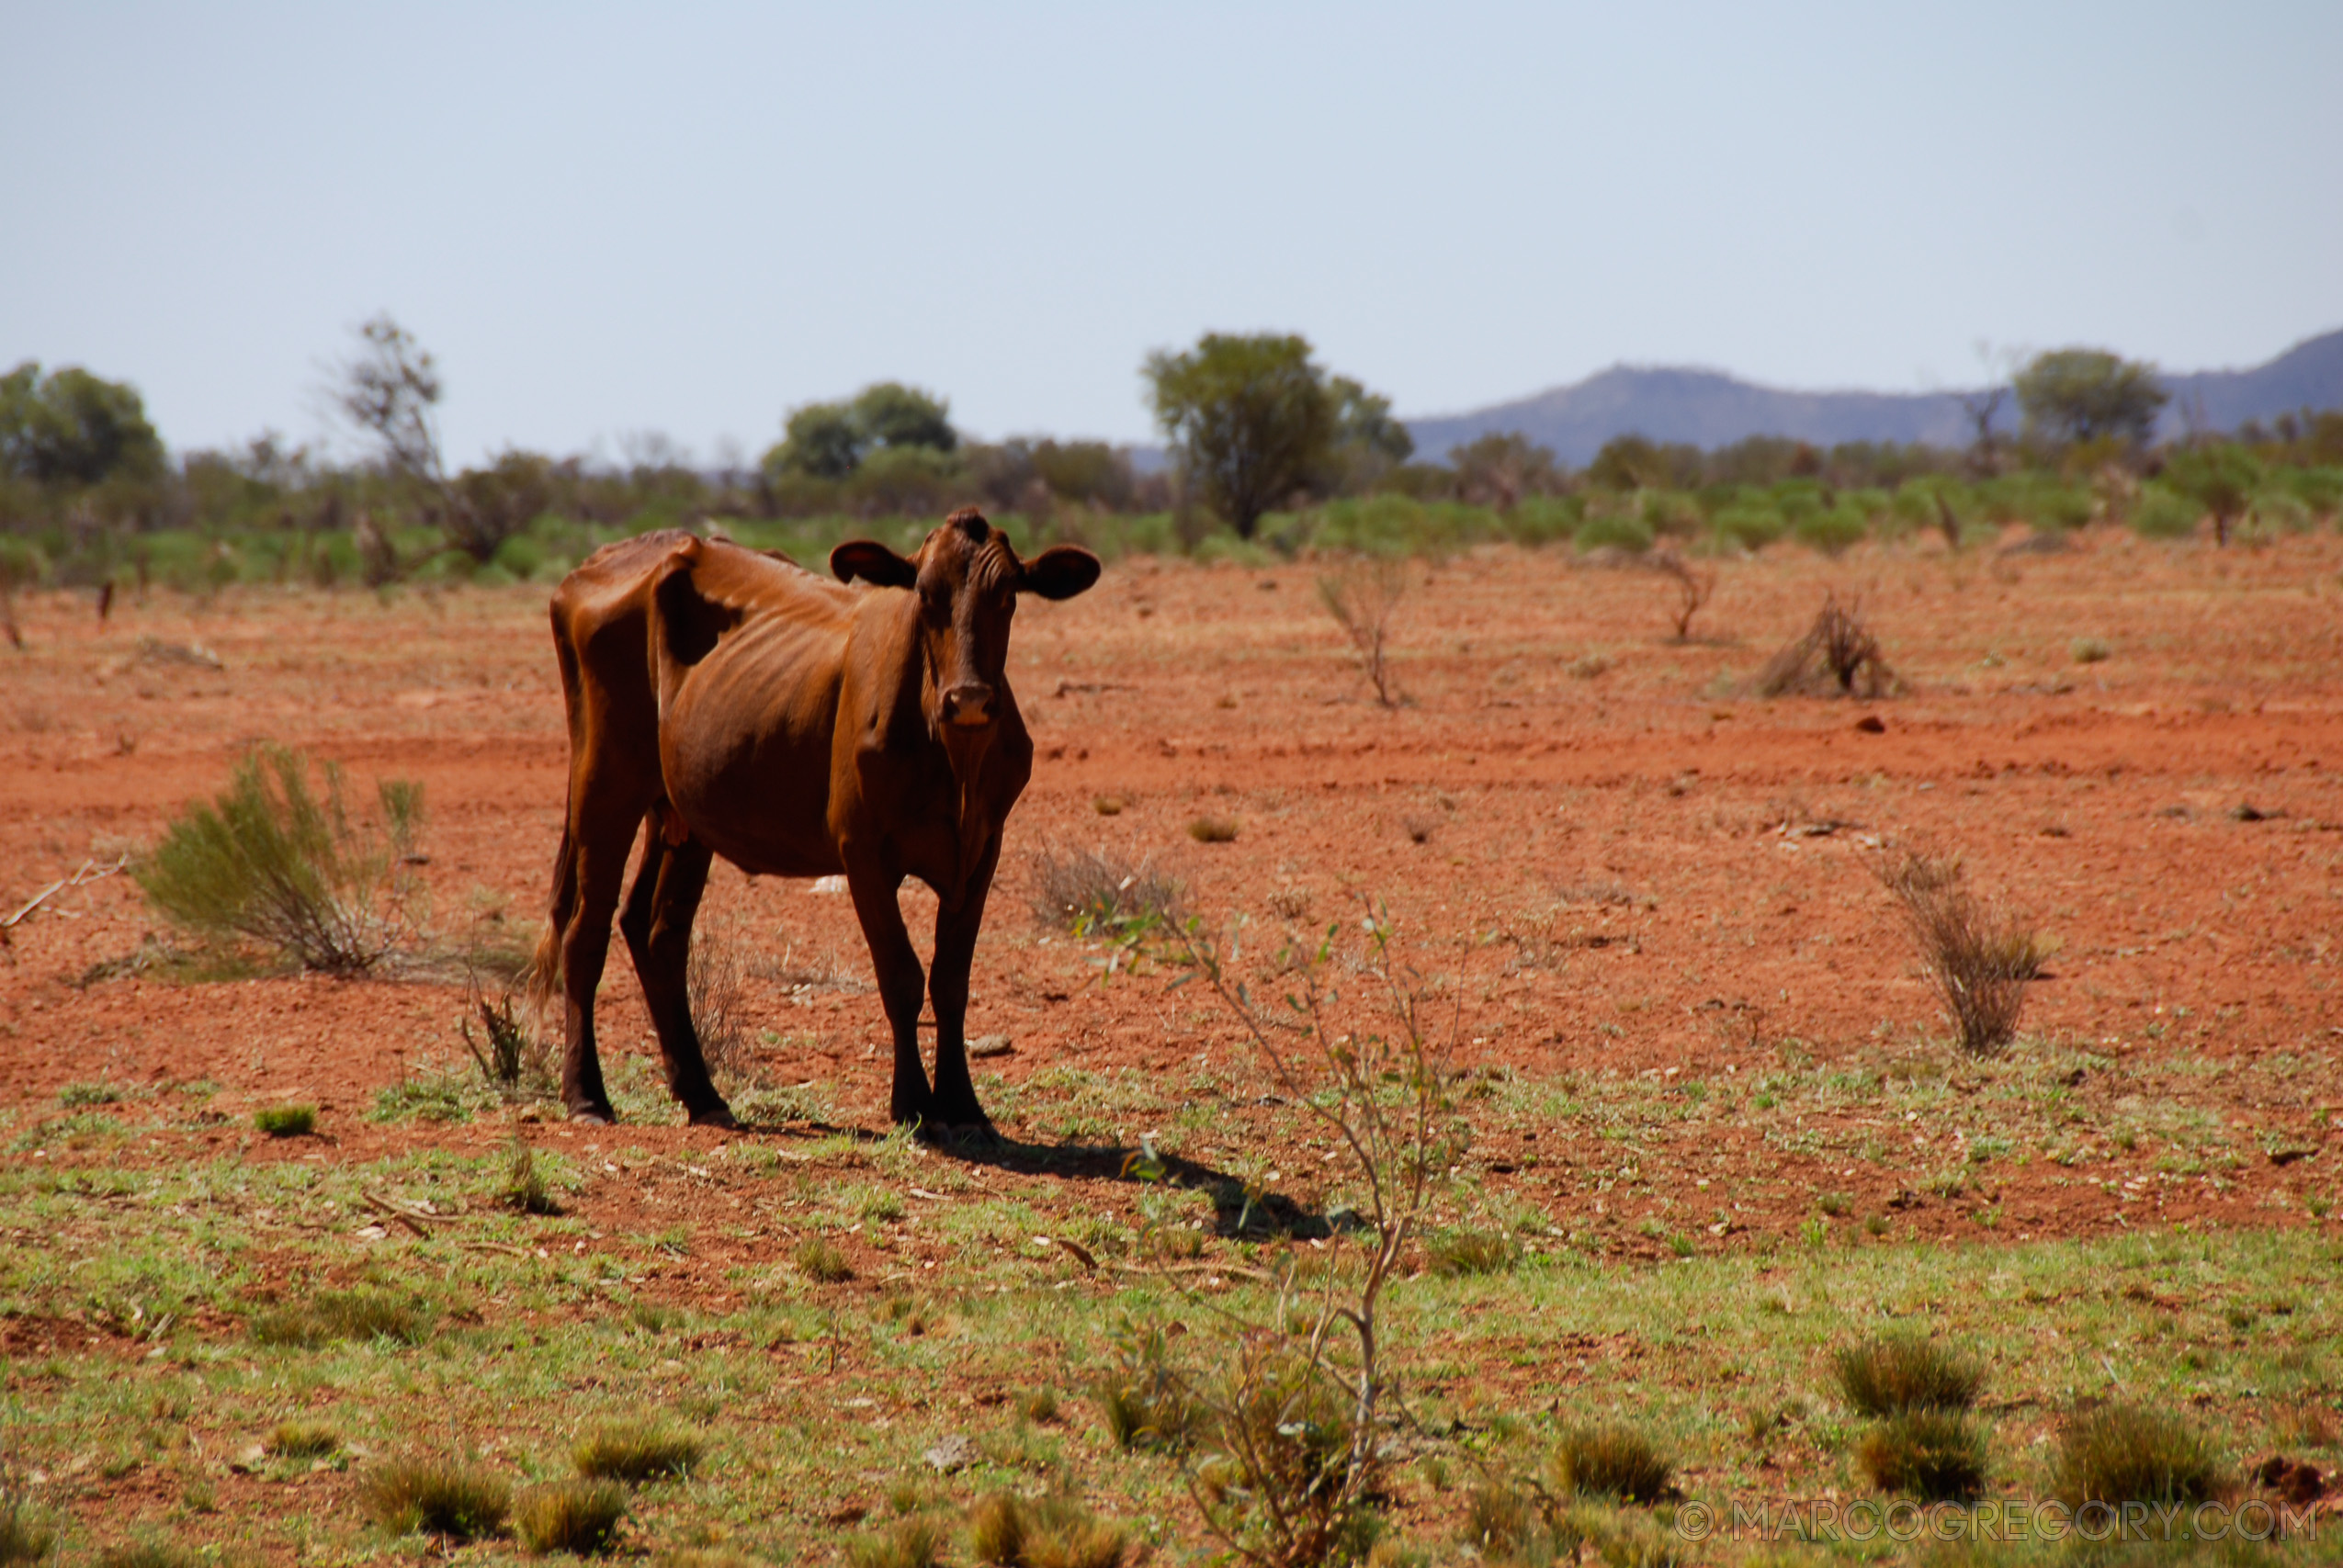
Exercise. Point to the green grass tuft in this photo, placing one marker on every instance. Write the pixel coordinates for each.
(1895, 1375)
(150, 1554)
(580, 1517)
(1611, 1461)
(436, 1496)
(285, 1121)
(2125, 1453)
(302, 1439)
(1052, 1532)
(636, 1450)
(823, 1263)
(1937, 1456)
(77, 1096)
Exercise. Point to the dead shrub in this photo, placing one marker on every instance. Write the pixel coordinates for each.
(1362, 595)
(1902, 1373)
(1693, 585)
(578, 1516)
(1094, 892)
(1937, 1456)
(272, 862)
(2127, 1453)
(1612, 1460)
(635, 1450)
(715, 985)
(1978, 958)
(1839, 656)
(453, 1498)
(1052, 1532)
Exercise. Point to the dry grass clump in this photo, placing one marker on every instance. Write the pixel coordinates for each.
(1509, 1524)
(1937, 1456)
(1979, 958)
(1093, 892)
(1454, 1254)
(636, 1450)
(302, 1439)
(913, 1543)
(822, 1263)
(2127, 1453)
(24, 1537)
(1147, 1404)
(510, 1059)
(270, 861)
(437, 1496)
(285, 1121)
(1052, 1532)
(1611, 1461)
(524, 1188)
(1363, 596)
(1839, 656)
(344, 1315)
(1901, 1373)
(714, 982)
(1214, 829)
(579, 1516)
(150, 1554)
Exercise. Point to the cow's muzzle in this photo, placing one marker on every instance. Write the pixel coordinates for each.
(970, 702)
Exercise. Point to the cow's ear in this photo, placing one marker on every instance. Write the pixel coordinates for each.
(1061, 572)
(873, 562)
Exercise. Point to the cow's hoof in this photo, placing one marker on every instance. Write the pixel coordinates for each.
(715, 1116)
(975, 1132)
(594, 1115)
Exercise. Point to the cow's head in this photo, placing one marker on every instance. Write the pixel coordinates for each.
(967, 579)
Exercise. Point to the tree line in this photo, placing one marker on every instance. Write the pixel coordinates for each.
(1256, 428)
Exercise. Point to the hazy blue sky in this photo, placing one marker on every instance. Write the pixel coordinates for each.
(691, 217)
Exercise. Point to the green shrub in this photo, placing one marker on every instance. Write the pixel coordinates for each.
(1937, 1456)
(271, 862)
(1902, 1373)
(1614, 533)
(1611, 1461)
(2165, 513)
(579, 1516)
(2125, 1453)
(285, 1121)
(436, 1496)
(1751, 525)
(1834, 532)
(636, 1450)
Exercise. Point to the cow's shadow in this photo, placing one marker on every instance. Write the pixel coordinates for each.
(1237, 1213)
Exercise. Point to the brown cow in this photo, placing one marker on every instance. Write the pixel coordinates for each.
(797, 728)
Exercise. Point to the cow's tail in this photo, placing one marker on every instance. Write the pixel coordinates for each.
(544, 973)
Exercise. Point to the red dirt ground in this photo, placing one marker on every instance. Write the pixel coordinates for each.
(1681, 870)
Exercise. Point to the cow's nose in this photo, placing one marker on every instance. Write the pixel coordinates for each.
(968, 703)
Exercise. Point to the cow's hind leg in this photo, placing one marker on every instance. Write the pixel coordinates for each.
(657, 924)
(600, 847)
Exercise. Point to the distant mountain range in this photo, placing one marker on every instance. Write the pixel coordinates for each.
(1709, 408)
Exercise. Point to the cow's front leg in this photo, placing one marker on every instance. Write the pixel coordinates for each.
(956, 938)
(901, 985)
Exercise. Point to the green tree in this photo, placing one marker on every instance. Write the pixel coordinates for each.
(2074, 395)
(887, 413)
(819, 439)
(1249, 417)
(73, 428)
(2221, 478)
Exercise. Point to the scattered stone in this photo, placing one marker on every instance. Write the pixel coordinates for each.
(954, 1453)
(991, 1046)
